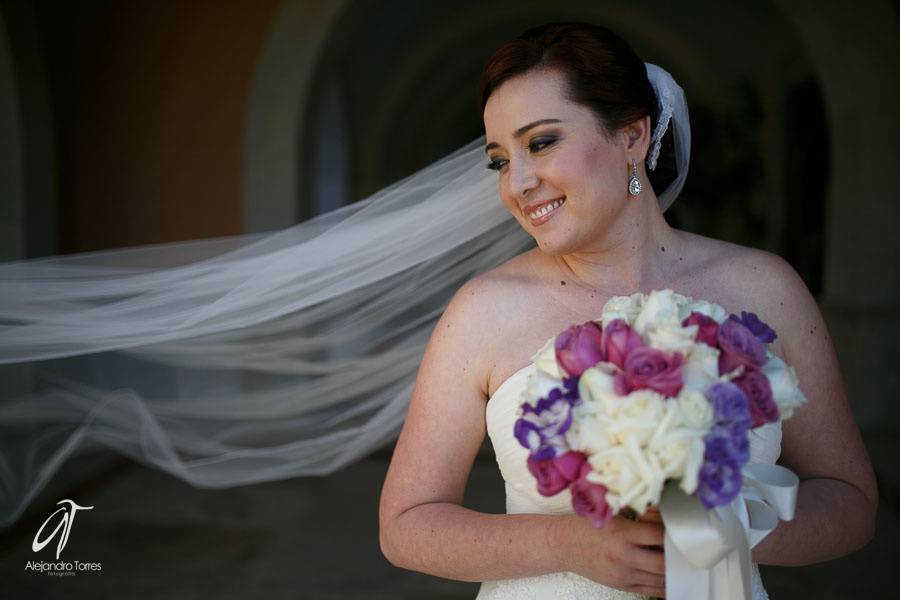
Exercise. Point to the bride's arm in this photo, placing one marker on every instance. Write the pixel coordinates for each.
(838, 497)
(423, 526)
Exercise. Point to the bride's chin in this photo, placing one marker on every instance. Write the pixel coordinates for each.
(553, 246)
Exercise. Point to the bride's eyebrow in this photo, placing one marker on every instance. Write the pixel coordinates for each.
(522, 131)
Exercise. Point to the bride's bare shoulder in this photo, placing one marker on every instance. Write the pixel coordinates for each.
(742, 278)
(744, 269)
(490, 298)
(484, 308)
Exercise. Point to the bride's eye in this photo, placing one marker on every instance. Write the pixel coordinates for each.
(538, 144)
(496, 164)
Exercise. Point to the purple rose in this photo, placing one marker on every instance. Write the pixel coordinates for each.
(739, 347)
(589, 499)
(758, 390)
(730, 405)
(707, 328)
(720, 483)
(649, 368)
(618, 341)
(763, 332)
(579, 347)
(554, 475)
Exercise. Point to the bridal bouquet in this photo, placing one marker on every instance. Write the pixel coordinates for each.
(662, 388)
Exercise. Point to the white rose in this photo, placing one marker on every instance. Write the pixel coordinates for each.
(709, 309)
(785, 386)
(660, 310)
(638, 416)
(671, 337)
(701, 367)
(588, 434)
(545, 360)
(692, 410)
(673, 447)
(622, 307)
(597, 385)
(617, 470)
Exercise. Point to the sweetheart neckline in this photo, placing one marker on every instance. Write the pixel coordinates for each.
(507, 380)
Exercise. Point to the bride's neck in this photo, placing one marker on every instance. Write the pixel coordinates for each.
(631, 257)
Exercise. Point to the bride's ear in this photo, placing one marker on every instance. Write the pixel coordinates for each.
(636, 136)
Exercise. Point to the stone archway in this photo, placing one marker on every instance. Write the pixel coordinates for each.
(277, 103)
(28, 211)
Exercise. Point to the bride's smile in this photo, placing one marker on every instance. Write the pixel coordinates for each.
(543, 211)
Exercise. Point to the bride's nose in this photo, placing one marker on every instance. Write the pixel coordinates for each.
(522, 178)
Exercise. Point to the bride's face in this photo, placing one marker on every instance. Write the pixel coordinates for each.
(560, 176)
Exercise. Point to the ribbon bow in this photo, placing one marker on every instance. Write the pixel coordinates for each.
(708, 551)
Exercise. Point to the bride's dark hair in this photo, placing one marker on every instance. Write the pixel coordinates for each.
(602, 73)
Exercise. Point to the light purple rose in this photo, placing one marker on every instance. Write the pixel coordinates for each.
(579, 347)
(618, 341)
(739, 347)
(758, 390)
(555, 474)
(719, 482)
(727, 448)
(589, 499)
(707, 328)
(649, 368)
(727, 443)
(763, 332)
(730, 405)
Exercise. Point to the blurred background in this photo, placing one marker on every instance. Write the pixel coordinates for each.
(135, 122)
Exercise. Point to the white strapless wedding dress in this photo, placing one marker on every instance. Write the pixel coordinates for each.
(522, 497)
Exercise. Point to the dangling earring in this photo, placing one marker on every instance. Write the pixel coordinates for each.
(634, 184)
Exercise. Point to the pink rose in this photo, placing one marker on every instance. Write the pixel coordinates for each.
(649, 368)
(554, 474)
(707, 328)
(757, 388)
(579, 348)
(589, 499)
(618, 341)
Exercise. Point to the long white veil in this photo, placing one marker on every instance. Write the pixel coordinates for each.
(252, 358)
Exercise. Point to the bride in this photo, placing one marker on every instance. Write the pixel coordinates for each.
(571, 121)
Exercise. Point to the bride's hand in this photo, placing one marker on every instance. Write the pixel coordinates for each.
(624, 554)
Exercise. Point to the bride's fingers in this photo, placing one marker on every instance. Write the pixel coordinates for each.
(649, 561)
(651, 518)
(647, 534)
(647, 580)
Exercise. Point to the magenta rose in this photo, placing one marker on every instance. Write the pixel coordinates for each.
(756, 386)
(555, 474)
(589, 499)
(579, 347)
(707, 328)
(618, 341)
(649, 368)
(739, 347)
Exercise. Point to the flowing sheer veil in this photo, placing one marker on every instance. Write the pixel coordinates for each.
(251, 358)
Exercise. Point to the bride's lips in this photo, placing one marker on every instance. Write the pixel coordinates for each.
(538, 205)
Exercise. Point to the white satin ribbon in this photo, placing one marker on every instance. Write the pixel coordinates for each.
(708, 551)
